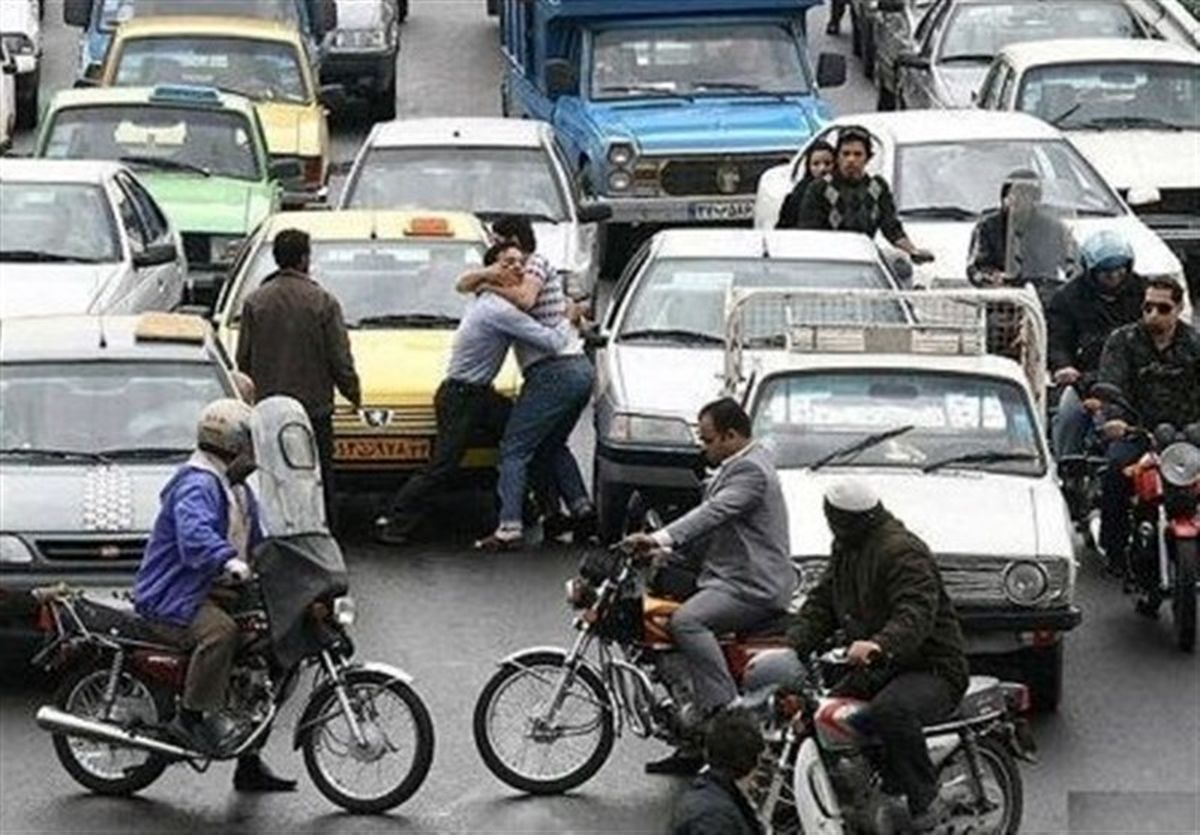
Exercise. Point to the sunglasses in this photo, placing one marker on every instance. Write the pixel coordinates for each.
(1161, 308)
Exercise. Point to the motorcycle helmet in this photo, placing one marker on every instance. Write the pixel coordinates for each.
(224, 428)
(1105, 251)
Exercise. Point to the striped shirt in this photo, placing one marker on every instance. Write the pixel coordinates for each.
(549, 309)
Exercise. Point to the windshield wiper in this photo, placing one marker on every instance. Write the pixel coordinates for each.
(951, 212)
(1102, 122)
(965, 58)
(1066, 114)
(853, 449)
(408, 320)
(166, 164)
(987, 456)
(673, 335)
(43, 257)
(740, 86)
(58, 454)
(648, 89)
(145, 452)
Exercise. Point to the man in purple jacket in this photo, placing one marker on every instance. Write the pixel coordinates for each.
(207, 527)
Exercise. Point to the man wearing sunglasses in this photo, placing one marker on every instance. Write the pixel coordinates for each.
(1155, 362)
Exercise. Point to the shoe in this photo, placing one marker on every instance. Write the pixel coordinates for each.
(494, 543)
(584, 527)
(556, 525)
(253, 775)
(1148, 607)
(389, 532)
(680, 764)
(208, 736)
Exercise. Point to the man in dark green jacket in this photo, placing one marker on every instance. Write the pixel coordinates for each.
(883, 590)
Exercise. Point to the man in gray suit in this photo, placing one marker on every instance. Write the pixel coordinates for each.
(746, 577)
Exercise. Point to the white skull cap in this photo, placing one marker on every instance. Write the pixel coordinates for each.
(852, 495)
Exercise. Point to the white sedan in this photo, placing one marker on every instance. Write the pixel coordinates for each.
(946, 169)
(84, 237)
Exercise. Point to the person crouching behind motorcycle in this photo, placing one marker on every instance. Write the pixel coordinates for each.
(206, 529)
(715, 803)
(883, 589)
(746, 576)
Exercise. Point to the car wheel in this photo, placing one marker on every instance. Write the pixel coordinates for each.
(27, 99)
(1042, 669)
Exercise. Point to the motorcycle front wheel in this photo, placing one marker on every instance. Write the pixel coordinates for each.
(532, 747)
(390, 763)
(1183, 597)
(1004, 794)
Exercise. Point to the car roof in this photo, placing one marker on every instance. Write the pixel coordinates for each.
(908, 127)
(1071, 50)
(356, 224)
(757, 243)
(82, 338)
(20, 170)
(146, 95)
(465, 131)
(767, 363)
(183, 25)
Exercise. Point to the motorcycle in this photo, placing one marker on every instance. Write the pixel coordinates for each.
(366, 736)
(819, 772)
(547, 720)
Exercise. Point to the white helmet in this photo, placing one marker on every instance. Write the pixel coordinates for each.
(852, 495)
(224, 427)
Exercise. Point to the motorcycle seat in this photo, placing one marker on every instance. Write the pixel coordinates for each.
(127, 625)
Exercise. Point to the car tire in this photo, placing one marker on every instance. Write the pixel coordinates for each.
(1042, 669)
(383, 103)
(27, 99)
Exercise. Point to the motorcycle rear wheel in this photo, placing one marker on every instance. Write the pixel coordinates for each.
(1001, 783)
(1183, 596)
(82, 694)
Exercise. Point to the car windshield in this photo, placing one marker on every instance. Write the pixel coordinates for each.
(685, 297)
(1114, 95)
(92, 407)
(71, 221)
(261, 70)
(696, 60)
(381, 279)
(219, 142)
(483, 181)
(977, 31)
(802, 417)
(115, 12)
(969, 175)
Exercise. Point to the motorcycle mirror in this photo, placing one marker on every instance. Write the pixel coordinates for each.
(1192, 433)
(1165, 434)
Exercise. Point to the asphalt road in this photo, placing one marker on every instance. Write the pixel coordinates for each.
(1121, 755)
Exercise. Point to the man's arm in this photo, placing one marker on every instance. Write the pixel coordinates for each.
(245, 336)
(912, 592)
(523, 294)
(816, 620)
(1115, 370)
(984, 264)
(741, 490)
(521, 327)
(789, 212)
(1063, 332)
(198, 537)
(893, 229)
(337, 348)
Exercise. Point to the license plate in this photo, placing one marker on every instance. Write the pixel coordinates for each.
(743, 210)
(381, 449)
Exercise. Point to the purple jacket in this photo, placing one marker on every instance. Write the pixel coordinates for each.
(188, 548)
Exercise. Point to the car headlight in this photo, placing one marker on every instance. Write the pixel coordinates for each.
(621, 154)
(643, 429)
(619, 181)
(14, 551)
(222, 249)
(1180, 464)
(1025, 582)
(344, 611)
(360, 39)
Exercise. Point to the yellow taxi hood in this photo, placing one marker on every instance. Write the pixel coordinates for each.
(405, 367)
(292, 129)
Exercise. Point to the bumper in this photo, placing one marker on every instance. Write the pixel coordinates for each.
(1020, 620)
(359, 70)
(701, 210)
(654, 467)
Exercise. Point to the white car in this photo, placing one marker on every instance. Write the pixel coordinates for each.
(488, 167)
(84, 237)
(8, 100)
(21, 32)
(946, 169)
(1132, 108)
(953, 441)
(660, 346)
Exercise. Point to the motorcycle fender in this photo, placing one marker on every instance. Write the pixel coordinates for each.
(306, 721)
(941, 747)
(517, 659)
(816, 804)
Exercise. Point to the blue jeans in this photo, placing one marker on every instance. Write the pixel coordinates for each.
(1115, 494)
(1070, 425)
(554, 393)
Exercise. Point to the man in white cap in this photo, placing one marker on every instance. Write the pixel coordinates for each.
(883, 590)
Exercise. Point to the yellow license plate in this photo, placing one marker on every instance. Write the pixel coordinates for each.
(382, 449)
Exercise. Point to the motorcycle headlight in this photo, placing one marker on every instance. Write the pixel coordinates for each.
(620, 154)
(344, 611)
(1025, 583)
(1180, 464)
(643, 429)
(223, 248)
(14, 551)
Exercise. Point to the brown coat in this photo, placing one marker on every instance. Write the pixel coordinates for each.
(292, 340)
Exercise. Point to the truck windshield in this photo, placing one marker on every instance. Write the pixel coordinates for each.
(261, 70)
(696, 60)
(115, 12)
(1114, 95)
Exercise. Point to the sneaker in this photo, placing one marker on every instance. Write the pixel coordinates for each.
(556, 526)
(497, 542)
(209, 736)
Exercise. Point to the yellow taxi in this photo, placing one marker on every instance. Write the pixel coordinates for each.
(260, 59)
(394, 275)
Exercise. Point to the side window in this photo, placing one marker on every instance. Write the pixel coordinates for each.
(155, 224)
(130, 222)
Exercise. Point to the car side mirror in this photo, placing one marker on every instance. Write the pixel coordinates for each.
(594, 339)
(326, 16)
(332, 96)
(77, 13)
(831, 70)
(286, 170)
(8, 68)
(155, 255)
(890, 6)
(1143, 196)
(913, 60)
(594, 212)
(561, 78)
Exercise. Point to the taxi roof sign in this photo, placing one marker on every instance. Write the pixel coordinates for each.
(429, 227)
(186, 94)
(170, 327)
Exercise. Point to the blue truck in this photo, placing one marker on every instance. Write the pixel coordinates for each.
(668, 110)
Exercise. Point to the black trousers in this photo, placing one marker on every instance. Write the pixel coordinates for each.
(323, 434)
(837, 9)
(465, 413)
(1115, 493)
(897, 715)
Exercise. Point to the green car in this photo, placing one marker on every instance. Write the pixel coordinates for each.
(199, 151)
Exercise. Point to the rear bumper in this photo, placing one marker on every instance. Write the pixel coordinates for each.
(359, 70)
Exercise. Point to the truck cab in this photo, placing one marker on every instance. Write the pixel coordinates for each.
(668, 110)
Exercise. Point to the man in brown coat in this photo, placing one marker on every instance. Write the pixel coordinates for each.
(292, 340)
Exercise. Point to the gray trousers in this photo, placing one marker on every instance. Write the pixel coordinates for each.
(695, 626)
(214, 639)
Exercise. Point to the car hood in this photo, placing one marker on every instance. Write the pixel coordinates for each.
(405, 367)
(1150, 158)
(748, 124)
(68, 498)
(292, 129)
(215, 205)
(665, 379)
(957, 82)
(44, 289)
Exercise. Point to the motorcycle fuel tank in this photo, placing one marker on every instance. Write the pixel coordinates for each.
(840, 724)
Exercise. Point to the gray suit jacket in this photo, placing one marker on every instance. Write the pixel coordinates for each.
(744, 519)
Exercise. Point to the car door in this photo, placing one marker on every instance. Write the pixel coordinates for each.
(914, 88)
(157, 286)
(894, 35)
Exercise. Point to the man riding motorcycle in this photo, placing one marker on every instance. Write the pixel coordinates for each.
(883, 590)
(746, 577)
(1081, 316)
(1022, 239)
(206, 530)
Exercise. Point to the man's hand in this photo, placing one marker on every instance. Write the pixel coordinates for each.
(237, 570)
(1066, 376)
(920, 256)
(639, 543)
(1092, 404)
(863, 653)
(1114, 429)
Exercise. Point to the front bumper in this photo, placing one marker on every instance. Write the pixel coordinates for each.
(647, 466)
(676, 210)
(1020, 620)
(359, 70)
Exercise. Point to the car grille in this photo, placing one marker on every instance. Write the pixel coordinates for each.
(716, 176)
(198, 249)
(108, 550)
(406, 420)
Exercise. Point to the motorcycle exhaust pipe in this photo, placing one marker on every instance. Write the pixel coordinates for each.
(56, 721)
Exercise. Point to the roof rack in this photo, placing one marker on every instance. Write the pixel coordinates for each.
(967, 321)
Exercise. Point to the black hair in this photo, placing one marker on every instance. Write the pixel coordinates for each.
(733, 743)
(726, 414)
(517, 228)
(496, 250)
(854, 133)
(1161, 282)
(819, 145)
(291, 247)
